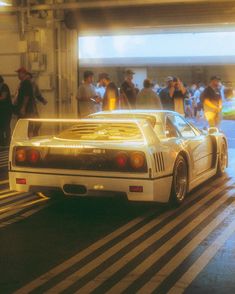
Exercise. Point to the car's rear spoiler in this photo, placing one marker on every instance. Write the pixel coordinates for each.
(22, 129)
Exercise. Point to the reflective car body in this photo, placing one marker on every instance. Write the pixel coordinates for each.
(147, 155)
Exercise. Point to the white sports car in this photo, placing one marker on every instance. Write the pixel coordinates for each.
(147, 155)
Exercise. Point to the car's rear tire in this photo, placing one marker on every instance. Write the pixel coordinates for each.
(180, 181)
(222, 160)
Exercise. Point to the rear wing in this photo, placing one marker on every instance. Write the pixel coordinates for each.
(23, 129)
(26, 129)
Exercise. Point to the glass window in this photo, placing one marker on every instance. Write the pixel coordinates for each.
(183, 127)
(98, 131)
(170, 130)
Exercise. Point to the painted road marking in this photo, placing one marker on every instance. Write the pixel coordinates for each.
(185, 252)
(129, 278)
(142, 246)
(86, 252)
(4, 182)
(67, 264)
(202, 261)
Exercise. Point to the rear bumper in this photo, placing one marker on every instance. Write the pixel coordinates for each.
(153, 189)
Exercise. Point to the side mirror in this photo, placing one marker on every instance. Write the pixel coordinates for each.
(213, 130)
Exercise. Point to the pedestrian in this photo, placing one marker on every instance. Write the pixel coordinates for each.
(212, 102)
(147, 98)
(129, 89)
(100, 88)
(197, 97)
(88, 98)
(5, 113)
(173, 95)
(38, 97)
(24, 104)
(179, 95)
(36, 91)
(166, 94)
(111, 95)
(188, 106)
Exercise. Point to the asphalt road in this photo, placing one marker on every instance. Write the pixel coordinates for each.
(70, 245)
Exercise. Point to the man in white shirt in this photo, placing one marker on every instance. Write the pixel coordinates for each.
(87, 97)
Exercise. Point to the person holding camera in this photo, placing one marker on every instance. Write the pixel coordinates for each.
(173, 95)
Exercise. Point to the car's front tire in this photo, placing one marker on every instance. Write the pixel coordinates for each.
(223, 158)
(180, 181)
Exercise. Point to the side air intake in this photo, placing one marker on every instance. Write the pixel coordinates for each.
(159, 162)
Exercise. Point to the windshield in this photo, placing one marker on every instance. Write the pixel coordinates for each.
(102, 132)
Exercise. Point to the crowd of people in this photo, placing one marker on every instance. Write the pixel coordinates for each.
(190, 101)
(194, 101)
(24, 104)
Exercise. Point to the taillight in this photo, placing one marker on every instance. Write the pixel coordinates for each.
(25, 156)
(20, 155)
(137, 160)
(33, 156)
(121, 159)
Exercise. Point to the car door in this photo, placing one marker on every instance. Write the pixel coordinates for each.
(199, 146)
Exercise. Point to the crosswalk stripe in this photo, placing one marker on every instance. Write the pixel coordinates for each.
(113, 268)
(20, 213)
(202, 261)
(5, 158)
(4, 182)
(4, 191)
(8, 195)
(86, 252)
(12, 210)
(185, 252)
(133, 253)
(76, 258)
(127, 280)
(4, 211)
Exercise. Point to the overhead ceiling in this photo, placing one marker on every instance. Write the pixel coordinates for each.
(94, 16)
(18, 5)
(155, 17)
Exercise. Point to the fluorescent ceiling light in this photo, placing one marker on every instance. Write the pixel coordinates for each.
(5, 3)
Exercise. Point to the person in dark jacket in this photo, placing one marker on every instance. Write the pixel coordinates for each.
(24, 103)
(173, 95)
(5, 113)
(38, 97)
(212, 102)
(129, 89)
